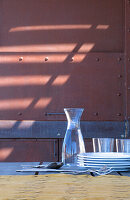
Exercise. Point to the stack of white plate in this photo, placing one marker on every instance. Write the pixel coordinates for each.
(116, 161)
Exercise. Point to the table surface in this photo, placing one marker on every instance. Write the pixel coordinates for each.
(10, 168)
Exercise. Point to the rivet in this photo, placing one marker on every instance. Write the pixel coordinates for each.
(72, 59)
(119, 94)
(97, 59)
(119, 76)
(128, 29)
(46, 58)
(21, 58)
(119, 59)
(58, 134)
(19, 113)
(122, 136)
(129, 59)
(118, 114)
(96, 113)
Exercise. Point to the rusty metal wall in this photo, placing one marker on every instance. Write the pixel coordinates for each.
(127, 57)
(28, 25)
(56, 129)
(57, 54)
(96, 84)
(32, 150)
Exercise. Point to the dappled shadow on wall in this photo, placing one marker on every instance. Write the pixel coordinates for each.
(45, 60)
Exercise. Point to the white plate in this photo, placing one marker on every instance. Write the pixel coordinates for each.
(110, 155)
(104, 162)
(114, 168)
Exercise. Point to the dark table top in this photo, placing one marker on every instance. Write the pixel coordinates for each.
(17, 168)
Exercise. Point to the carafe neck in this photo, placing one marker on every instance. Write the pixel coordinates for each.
(73, 116)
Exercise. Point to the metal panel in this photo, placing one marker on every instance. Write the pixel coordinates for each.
(57, 129)
(29, 23)
(46, 64)
(127, 56)
(28, 150)
(50, 60)
(94, 81)
(1, 17)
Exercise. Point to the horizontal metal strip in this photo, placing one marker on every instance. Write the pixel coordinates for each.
(57, 129)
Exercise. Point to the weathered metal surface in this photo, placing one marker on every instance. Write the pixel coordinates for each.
(36, 23)
(127, 56)
(46, 59)
(57, 129)
(1, 16)
(28, 91)
(50, 60)
(28, 150)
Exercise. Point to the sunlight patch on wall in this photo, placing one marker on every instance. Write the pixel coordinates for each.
(102, 27)
(60, 80)
(43, 102)
(5, 152)
(78, 58)
(8, 124)
(40, 48)
(10, 104)
(25, 124)
(86, 47)
(24, 80)
(50, 27)
(52, 58)
(5, 124)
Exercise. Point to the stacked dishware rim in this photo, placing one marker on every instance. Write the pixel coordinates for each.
(103, 155)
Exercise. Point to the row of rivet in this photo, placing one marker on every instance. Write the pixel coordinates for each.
(72, 59)
(96, 114)
(21, 58)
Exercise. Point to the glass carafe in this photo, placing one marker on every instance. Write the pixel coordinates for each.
(73, 143)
